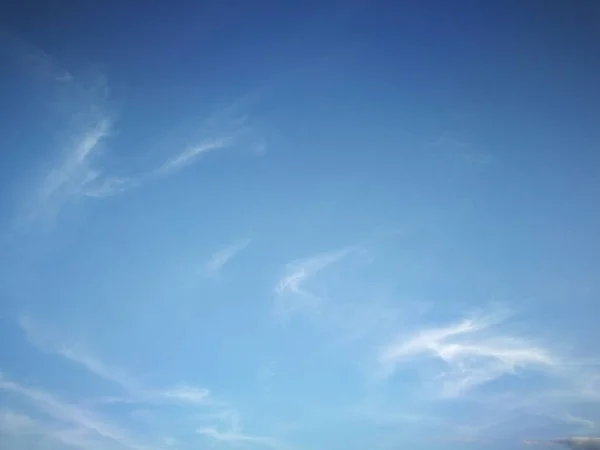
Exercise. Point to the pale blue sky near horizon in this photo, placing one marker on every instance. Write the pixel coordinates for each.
(299, 225)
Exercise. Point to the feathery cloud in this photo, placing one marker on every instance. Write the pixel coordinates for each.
(300, 271)
(233, 437)
(71, 414)
(35, 59)
(191, 153)
(46, 433)
(179, 394)
(471, 357)
(75, 353)
(71, 179)
(15, 423)
(223, 256)
(186, 394)
(291, 292)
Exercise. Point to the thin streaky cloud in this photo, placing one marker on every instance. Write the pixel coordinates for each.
(79, 175)
(471, 356)
(223, 256)
(190, 154)
(300, 271)
(186, 394)
(23, 426)
(15, 423)
(93, 365)
(235, 437)
(34, 58)
(178, 394)
(71, 414)
(225, 416)
(75, 171)
(109, 186)
(77, 354)
(576, 420)
(291, 291)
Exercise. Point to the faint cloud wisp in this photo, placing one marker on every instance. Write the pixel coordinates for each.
(223, 256)
(471, 357)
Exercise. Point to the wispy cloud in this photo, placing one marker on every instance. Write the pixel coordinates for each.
(46, 433)
(186, 394)
(72, 414)
(36, 59)
(76, 173)
(15, 423)
(223, 256)
(291, 289)
(235, 437)
(224, 425)
(471, 356)
(79, 172)
(191, 153)
(136, 392)
(77, 354)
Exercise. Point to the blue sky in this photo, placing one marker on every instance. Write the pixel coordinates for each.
(299, 225)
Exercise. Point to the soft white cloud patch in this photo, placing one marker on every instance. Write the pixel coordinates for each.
(223, 256)
(472, 353)
(235, 437)
(15, 423)
(223, 425)
(71, 414)
(186, 394)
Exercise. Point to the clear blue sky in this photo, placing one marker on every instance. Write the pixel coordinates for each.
(299, 225)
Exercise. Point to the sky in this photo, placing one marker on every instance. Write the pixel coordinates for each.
(312, 225)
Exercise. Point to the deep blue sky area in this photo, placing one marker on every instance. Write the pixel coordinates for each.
(299, 225)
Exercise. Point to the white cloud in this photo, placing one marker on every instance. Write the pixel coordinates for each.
(71, 414)
(182, 393)
(76, 354)
(190, 154)
(46, 433)
(75, 174)
(78, 174)
(223, 256)
(223, 425)
(37, 60)
(472, 355)
(235, 437)
(291, 288)
(298, 272)
(15, 423)
(186, 394)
